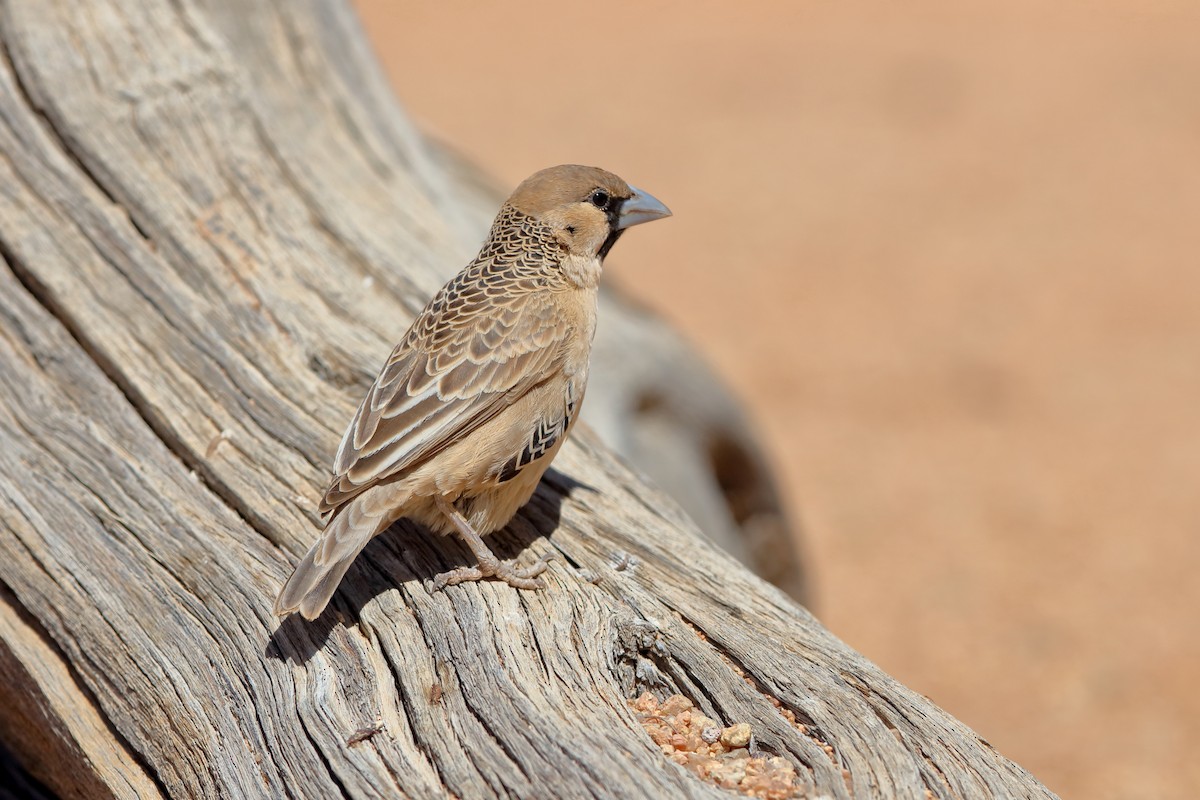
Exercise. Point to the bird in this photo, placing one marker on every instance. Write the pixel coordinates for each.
(481, 392)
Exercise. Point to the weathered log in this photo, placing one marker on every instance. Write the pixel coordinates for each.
(214, 220)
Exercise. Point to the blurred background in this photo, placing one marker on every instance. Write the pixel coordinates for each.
(947, 256)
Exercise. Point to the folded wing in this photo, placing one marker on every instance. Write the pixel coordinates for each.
(468, 356)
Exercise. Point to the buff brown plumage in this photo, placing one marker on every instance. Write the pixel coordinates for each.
(478, 397)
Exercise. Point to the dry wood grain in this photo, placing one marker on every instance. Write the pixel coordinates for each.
(214, 220)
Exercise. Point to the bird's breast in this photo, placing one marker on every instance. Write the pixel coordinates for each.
(580, 309)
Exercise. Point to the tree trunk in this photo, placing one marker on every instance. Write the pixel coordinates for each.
(214, 222)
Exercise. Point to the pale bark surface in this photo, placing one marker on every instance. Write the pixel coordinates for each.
(214, 221)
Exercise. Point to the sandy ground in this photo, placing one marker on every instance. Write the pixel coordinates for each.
(947, 253)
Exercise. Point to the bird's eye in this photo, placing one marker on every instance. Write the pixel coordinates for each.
(600, 199)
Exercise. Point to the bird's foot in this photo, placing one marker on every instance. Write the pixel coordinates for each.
(507, 571)
(525, 577)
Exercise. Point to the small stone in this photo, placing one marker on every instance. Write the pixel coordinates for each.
(733, 777)
(646, 703)
(675, 704)
(711, 734)
(736, 735)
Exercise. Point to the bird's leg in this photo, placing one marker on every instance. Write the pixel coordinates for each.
(489, 565)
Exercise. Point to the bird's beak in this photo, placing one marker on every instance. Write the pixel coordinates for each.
(642, 207)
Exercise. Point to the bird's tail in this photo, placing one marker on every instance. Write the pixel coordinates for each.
(321, 570)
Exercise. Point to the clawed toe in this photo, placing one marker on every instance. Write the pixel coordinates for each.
(452, 577)
(532, 571)
(523, 578)
(517, 577)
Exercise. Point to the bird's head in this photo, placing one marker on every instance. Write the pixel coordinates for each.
(586, 208)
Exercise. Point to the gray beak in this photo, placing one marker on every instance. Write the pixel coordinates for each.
(642, 207)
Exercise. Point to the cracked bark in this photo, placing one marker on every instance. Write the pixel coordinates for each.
(214, 221)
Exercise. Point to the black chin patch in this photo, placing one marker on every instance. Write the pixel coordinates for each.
(609, 242)
(613, 212)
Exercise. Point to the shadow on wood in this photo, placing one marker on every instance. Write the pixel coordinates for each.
(409, 553)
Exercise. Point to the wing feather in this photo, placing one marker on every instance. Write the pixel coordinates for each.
(460, 364)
